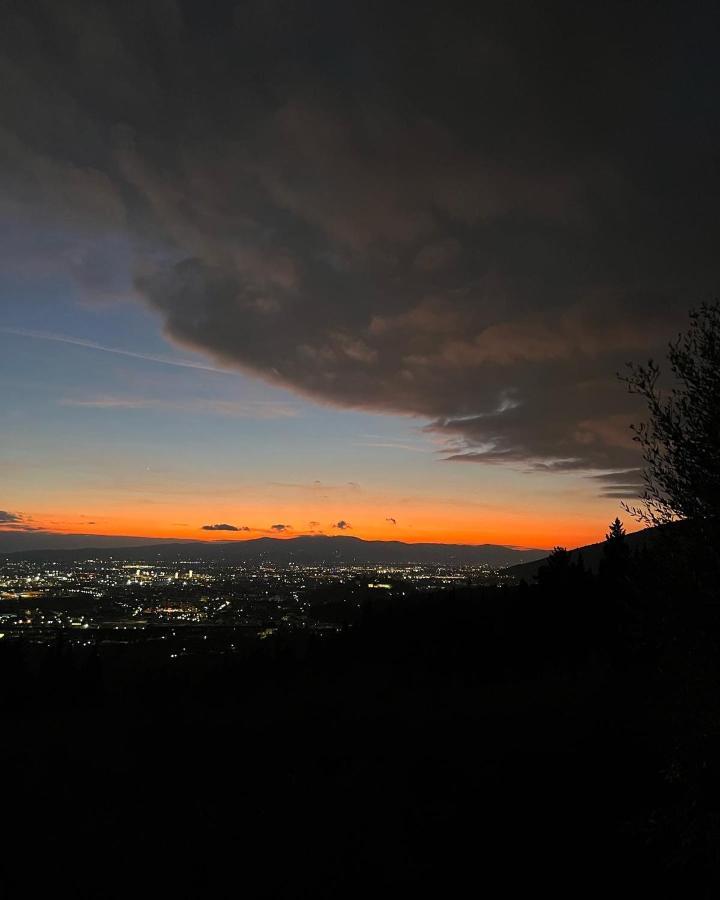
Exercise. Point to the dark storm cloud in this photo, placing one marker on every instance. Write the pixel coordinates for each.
(472, 217)
(223, 526)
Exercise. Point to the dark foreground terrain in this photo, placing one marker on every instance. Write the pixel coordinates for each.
(555, 738)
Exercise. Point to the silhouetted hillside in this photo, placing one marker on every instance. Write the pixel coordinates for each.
(591, 554)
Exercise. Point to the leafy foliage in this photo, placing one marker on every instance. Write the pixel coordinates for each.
(681, 439)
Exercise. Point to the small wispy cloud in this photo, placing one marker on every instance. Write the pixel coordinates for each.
(342, 525)
(281, 528)
(104, 348)
(255, 409)
(106, 403)
(391, 520)
(317, 487)
(624, 485)
(390, 445)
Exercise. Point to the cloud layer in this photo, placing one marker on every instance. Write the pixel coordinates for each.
(474, 218)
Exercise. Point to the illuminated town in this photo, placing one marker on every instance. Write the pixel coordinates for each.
(194, 607)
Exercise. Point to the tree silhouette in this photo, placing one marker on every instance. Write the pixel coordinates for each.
(559, 572)
(616, 548)
(616, 553)
(559, 560)
(616, 533)
(681, 440)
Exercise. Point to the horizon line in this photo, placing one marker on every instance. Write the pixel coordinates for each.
(244, 540)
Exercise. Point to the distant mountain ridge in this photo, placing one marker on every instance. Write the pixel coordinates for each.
(15, 541)
(304, 549)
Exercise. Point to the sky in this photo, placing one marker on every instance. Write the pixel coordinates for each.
(343, 268)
